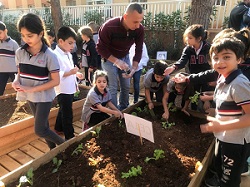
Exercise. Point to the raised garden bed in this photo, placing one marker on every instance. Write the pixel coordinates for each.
(12, 111)
(103, 159)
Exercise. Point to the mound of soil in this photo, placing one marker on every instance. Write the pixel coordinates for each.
(104, 158)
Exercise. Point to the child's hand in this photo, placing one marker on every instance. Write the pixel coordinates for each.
(79, 75)
(185, 111)
(74, 70)
(206, 105)
(212, 126)
(165, 115)
(118, 114)
(16, 85)
(150, 105)
(168, 70)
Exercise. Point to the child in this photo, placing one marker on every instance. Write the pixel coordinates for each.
(38, 73)
(89, 55)
(51, 38)
(177, 86)
(66, 38)
(137, 74)
(230, 127)
(195, 54)
(155, 82)
(98, 105)
(95, 28)
(8, 67)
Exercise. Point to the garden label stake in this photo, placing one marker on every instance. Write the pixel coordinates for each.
(138, 126)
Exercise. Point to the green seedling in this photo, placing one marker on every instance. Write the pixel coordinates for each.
(133, 172)
(146, 109)
(120, 123)
(171, 107)
(195, 98)
(158, 153)
(27, 178)
(76, 94)
(57, 163)
(79, 149)
(97, 131)
(138, 109)
(134, 113)
(143, 71)
(152, 113)
(166, 124)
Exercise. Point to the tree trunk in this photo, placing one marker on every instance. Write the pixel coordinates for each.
(201, 11)
(56, 14)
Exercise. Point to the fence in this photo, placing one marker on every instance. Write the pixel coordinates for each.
(76, 13)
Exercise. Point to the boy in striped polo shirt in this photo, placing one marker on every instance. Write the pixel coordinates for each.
(8, 48)
(231, 126)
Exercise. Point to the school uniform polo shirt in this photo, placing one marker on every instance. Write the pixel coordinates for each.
(151, 83)
(8, 48)
(68, 84)
(230, 95)
(93, 99)
(34, 71)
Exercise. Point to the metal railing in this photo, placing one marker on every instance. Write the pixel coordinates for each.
(223, 8)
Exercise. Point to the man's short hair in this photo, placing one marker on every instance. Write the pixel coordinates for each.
(134, 7)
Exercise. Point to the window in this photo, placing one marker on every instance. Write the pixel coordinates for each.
(70, 3)
(220, 2)
(139, 1)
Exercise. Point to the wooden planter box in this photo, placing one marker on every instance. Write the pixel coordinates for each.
(47, 157)
(9, 89)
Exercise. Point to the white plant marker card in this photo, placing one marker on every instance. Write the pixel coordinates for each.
(139, 126)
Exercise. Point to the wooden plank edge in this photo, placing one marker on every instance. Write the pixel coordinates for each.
(199, 175)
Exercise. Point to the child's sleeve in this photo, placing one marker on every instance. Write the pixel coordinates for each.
(93, 56)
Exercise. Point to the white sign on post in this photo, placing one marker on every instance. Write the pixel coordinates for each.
(161, 55)
(140, 127)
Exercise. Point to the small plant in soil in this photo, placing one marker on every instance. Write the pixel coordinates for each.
(57, 163)
(138, 109)
(121, 123)
(79, 149)
(28, 178)
(195, 98)
(133, 172)
(172, 107)
(134, 113)
(158, 153)
(167, 124)
(96, 132)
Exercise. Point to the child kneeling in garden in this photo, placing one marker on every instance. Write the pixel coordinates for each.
(177, 86)
(98, 105)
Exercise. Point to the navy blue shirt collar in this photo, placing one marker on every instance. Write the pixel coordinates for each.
(232, 76)
(43, 49)
(98, 92)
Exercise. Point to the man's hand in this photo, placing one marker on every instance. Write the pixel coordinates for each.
(121, 64)
(127, 76)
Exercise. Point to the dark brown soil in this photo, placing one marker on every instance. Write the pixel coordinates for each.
(116, 151)
(12, 110)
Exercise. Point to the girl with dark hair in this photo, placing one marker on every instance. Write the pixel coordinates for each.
(38, 74)
(98, 105)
